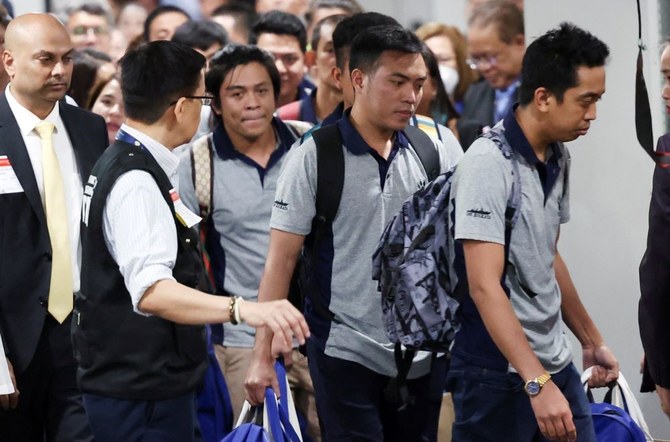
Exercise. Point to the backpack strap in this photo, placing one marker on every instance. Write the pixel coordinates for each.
(427, 124)
(425, 149)
(329, 184)
(397, 391)
(330, 173)
(203, 173)
(513, 208)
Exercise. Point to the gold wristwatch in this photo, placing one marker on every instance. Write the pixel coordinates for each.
(534, 386)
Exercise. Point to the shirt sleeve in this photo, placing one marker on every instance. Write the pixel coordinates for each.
(294, 205)
(481, 189)
(451, 151)
(140, 233)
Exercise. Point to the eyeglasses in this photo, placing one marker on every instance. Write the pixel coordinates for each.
(475, 62)
(83, 30)
(206, 100)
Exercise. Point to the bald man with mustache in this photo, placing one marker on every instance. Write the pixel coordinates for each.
(41, 188)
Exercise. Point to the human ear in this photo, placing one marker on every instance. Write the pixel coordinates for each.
(542, 99)
(357, 79)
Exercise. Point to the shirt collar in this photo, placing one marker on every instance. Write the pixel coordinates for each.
(509, 89)
(353, 141)
(307, 108)
(225, 149)
(518, 141)
(27, 120)
(334, 116)
(165, 158)
(304, 88)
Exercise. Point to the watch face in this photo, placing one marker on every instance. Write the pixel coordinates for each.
(533, 388)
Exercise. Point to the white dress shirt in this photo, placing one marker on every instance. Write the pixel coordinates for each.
(68, 167)
(138, 226)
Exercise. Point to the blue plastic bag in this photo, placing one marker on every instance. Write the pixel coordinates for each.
(215, 412)
(276, 415)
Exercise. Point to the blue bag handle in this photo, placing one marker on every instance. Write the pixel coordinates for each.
(278, 413)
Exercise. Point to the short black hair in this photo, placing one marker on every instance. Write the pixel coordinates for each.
(200, 34)
(280, 23)
(243, 15)
(369, 45)
(156, 74)
(332, 20)
(160, 10)
(5, 18)
(350, 27)
(89, 8)
(552, 61)
(233, 55)
(85, 66)
(350, 6)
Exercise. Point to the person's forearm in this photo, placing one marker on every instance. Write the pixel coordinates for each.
(279, 267)
(574, 313)
(485, 263)
(178, 303)
(505, 330)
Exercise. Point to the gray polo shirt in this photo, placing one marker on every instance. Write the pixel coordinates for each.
(482, 184)
(242, 196)
(374, 190)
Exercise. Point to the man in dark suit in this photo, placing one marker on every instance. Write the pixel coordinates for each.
(496, 44)
(40, 204)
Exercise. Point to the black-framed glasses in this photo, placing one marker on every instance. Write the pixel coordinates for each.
(206, 100)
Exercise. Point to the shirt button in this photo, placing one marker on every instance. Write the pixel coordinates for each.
(42, 301)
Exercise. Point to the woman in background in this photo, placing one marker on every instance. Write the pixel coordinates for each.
(107, 102)
(450, 49)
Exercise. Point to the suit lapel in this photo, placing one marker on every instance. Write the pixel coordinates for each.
(85, 155)
(12, 145)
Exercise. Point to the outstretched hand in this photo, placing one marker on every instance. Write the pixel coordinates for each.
(285, 321)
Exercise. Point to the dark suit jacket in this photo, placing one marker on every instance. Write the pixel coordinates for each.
(25, 248)
(654, 306)
(478, 103)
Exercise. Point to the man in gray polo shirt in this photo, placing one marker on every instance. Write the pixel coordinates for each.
(350, 358)
(248, 147)
(512, 376)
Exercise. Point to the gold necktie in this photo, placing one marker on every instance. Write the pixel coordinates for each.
(60, 287)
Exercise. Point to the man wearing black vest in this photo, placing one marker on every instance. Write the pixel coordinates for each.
(137, 328)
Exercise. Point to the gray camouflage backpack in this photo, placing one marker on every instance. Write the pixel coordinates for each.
(414, 266)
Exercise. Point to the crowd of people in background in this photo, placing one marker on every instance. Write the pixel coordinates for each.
(212, 111)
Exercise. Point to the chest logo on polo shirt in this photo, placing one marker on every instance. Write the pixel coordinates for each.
(421, 185)
(281, 205)
(479, 213)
